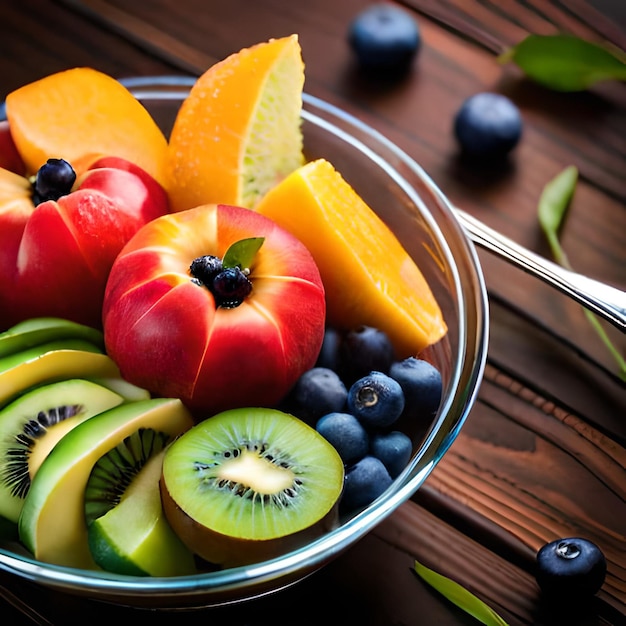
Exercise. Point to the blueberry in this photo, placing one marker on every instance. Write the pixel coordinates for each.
(570, 567)
(346, 434)
(230, 287)
(329, 355)
(384, 37)
(365, 480)
(376, 400)
(205, 268)
(363, 350)
(394, 449)
(54, 179)
(421, 385)
(317, 392)
(488, 125)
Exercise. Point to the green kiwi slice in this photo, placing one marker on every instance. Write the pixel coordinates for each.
(129, 533)
(32, 425)
(249, 484)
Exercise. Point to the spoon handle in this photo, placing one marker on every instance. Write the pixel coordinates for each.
(606, 301)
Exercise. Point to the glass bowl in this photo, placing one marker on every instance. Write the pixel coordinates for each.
(423, 220)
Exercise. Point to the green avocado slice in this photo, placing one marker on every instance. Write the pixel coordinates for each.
(134, 537)
(35, 331)
(54, 365)
(15, 359)
(52, 523)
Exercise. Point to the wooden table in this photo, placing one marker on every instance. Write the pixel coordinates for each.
(543, 453)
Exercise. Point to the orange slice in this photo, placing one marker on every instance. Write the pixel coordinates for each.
(238, 132)
(368, 276)
(80, 114)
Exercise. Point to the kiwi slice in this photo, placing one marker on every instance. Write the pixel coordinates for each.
(129, 533)
(32, 425)
(52, 524)
(249, 484)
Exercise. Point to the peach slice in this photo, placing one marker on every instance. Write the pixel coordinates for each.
(371, 277)
(79, 115)
(238, 132)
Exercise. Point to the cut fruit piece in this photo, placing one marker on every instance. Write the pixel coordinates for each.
(79, 115)
(372, 279)
(56, 497)
(39, 330)
(128, 391)
(33, 424)
(9, 156)
(249, 484)
(238, 132)
(12, 360)
(51, 366)
(134, 537)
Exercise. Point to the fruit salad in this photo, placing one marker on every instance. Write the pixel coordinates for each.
(208, 356)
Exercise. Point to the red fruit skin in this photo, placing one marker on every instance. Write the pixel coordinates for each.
(166, 334)
(55, 257)
(10, 158)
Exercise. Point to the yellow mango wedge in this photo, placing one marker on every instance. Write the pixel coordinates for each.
(370, 276)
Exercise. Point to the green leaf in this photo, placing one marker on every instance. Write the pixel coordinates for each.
(565, 62)
(553, 204)
(460, 596)
(242, 253)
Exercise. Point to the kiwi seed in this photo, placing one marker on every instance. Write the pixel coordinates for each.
(15, 474)
(114, 472)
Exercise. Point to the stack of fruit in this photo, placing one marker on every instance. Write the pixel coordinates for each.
(186, 287)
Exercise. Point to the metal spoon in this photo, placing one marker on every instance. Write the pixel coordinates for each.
(606, 301)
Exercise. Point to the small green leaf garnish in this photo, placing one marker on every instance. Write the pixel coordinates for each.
(460, 596)
(553, 204)
(566, 63)
(242, 253)
(552, 210)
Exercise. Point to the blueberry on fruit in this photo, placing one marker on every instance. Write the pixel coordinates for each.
(346, 434)
(488, 125)
(570, 567)
(376, 400)
(421, 385)
(230, 287)
(363, 350)
(329, 352)
(364, 481)
(205, 268)
(54, 179)
(317, 392)
(394, 449)
(384, 37)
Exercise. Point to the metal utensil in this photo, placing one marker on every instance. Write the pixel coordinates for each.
(606, 301)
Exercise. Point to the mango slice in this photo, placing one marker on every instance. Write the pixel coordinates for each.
(238, 132)
(370, 277)
(79, 115)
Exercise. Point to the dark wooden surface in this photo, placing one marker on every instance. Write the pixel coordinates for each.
(543, 453)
